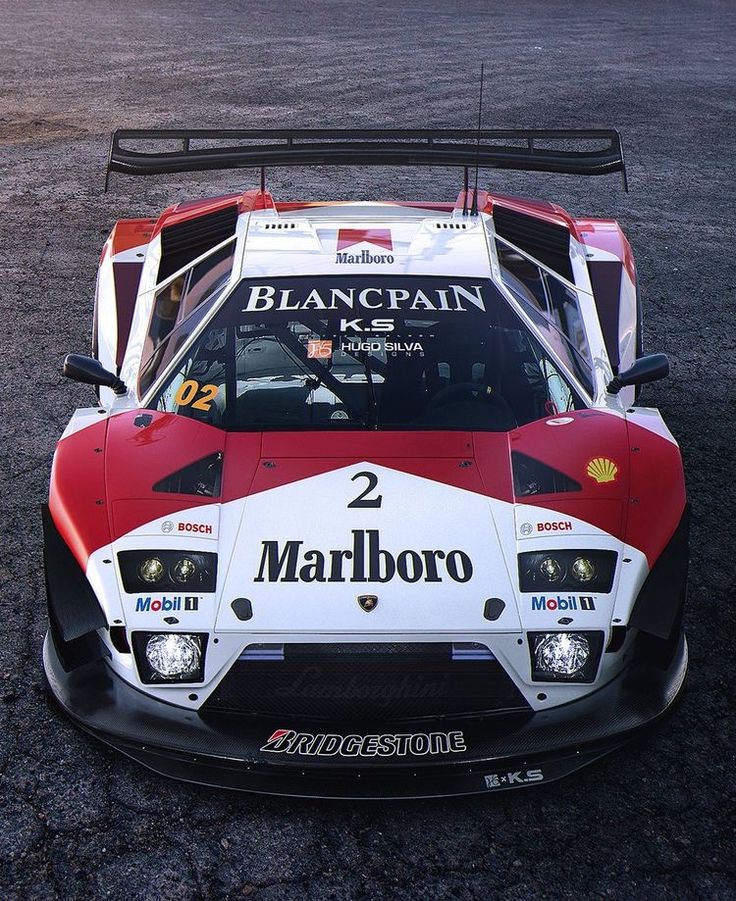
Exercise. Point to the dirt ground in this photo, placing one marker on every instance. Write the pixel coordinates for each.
(655, 820)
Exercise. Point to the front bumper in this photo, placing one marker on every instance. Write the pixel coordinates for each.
(501, 752)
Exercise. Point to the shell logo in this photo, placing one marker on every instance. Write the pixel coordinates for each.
(601, 470)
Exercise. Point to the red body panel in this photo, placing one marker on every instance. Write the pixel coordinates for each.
(657, 488)
(77, 496)
(103, 476)
(129, 233)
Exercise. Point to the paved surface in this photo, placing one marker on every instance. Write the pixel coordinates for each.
(653, 821)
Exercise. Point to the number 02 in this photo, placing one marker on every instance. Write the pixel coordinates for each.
(188, 391)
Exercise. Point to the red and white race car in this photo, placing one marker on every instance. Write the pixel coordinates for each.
(366, 507)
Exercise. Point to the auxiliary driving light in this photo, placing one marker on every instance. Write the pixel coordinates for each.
(169, 656)
(565, 656)
(151, 570)
(562, 653)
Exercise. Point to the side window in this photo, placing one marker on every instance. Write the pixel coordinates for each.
(181, 297)
(565, 314)
(155, 362)
(559, 394)
(523, 277)
(553, 307)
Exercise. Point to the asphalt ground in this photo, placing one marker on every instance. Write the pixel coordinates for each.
(655, 820)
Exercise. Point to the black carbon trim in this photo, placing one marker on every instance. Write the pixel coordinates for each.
(545, 241)
(387, 683)
(531, 150)
(72, 602)
(659, 607)
(176, 742)
(203, 478)
(605, 279)
(185, 241)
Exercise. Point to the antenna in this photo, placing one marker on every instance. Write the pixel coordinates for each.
(474, 207)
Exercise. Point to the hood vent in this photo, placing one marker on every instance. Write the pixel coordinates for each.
(533, 477)
(202, 478)
(545, 241)
(185, 241)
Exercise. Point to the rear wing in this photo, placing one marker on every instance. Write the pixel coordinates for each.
(150, 152)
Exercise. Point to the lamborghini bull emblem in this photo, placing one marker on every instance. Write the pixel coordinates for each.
(367, 602)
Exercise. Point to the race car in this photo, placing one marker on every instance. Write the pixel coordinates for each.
(366, 507)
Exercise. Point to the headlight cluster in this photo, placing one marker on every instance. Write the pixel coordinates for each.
(170, 657)
(149, 570)
(576, 570)
(565, 656)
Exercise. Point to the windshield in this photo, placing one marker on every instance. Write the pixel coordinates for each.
(356, 352)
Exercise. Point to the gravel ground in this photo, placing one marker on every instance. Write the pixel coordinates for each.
(652, 821)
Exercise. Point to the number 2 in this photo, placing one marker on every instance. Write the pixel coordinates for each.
(362, 500)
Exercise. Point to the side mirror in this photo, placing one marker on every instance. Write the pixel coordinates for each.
(90, 371)
(650, 368)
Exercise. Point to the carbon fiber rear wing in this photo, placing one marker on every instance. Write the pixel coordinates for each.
(150, 152)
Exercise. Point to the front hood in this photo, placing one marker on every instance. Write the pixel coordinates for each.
(428, 523)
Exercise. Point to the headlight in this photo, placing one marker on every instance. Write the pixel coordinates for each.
(140, 570)
(542, 570)
(565, 656)
(169, 656)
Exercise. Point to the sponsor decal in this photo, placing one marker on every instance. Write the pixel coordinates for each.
(564, 526)
(560, 420)
(319, 350)
(415, 744)
(526, 528)
(364, 561)
(166, 605)
(452, 298)
(518, 777)
(201, 528)
(376, 347)
(602, 470)
(196, 527)
(380, 237)
(360, 325)
(367, 602)
(365, 257)
(540, 602)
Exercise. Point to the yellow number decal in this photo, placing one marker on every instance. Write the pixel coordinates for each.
(186, 393)
(209, 393)
(189, 390)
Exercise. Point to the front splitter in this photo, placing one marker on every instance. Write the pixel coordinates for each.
(500, 753)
